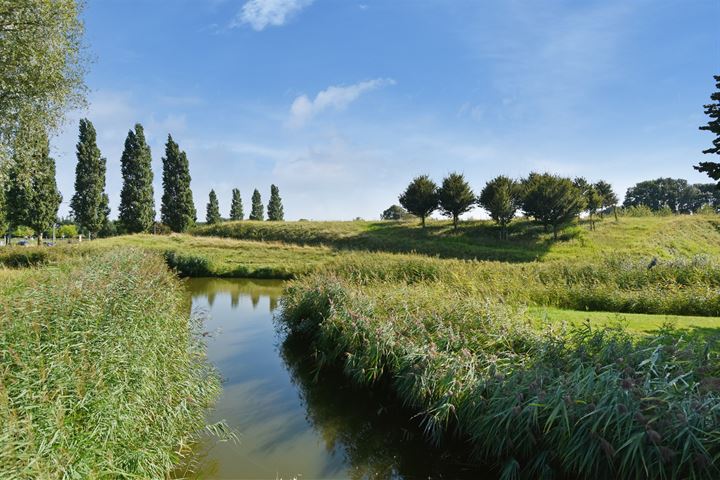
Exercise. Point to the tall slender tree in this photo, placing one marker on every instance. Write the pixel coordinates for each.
(501, 198)
(712, 110)
(32, 197)
(455, 197)
(212, 215)
(89, 203)
(137, 205)
(420, 197)
(178, 209)
(236, 207)
(257, 211)
(275, 207)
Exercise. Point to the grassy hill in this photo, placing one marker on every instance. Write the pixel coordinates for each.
(662, 237)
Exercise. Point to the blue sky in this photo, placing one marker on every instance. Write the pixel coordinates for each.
(340, 102)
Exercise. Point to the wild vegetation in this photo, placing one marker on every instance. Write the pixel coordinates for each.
(585, 402)
(103, 374)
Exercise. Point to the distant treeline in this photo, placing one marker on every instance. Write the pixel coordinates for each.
(31, 201)
(551, 200)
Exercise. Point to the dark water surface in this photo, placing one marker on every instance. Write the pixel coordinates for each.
(291, 422)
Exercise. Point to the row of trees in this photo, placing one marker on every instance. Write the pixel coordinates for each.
(673, 194)
(551, 200)
(275, 212)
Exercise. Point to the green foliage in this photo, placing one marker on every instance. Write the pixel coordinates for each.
(257, 211)
(89, 205)
(608, 195)
(178, 209)
(676, 194)
(22, 231)
(579, 403)
(236, 207)
(137, 205)
(105, 373)
(551, 200)
(420, 197)
(455, 197)
(394, 212)
(275, 207)
(188, 265)
(212, 215)
(67, 231)
(712, 110)
(41, 64)
(501, 197)
(32, 196)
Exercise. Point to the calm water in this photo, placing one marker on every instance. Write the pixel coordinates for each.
(291, 422)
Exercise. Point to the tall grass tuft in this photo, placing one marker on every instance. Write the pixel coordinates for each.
(102, 374)
(580, 402)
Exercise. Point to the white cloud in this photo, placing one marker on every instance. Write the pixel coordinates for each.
(260, 14)
(336, 97)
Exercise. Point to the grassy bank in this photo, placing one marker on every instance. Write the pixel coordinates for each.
(102, 374)
(585, 403)
(643, 237)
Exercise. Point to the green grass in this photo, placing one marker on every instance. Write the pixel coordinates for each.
(645, 237)
(102, 373)
(635, 322)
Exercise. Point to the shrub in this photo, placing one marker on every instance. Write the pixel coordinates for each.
(188, 265)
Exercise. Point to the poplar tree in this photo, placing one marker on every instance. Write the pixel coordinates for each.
(32, 196)
(178, 209)
(236, 207)
(137, 205)
(256, 213)
(89, 204)
(420, 197)
(212, 215)
(712, 110)
(455, 197)
(275, 208)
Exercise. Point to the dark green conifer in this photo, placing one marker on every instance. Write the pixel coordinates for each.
(275, 207)
(137, 205)
(178, 209)
(89, 204)
(212, 215)
(257, 211)
(236, 208)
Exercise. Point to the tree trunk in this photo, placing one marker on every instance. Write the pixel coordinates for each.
(422, 219)
(455, 222)
(555, 232)
(615, 212)
(39, 239)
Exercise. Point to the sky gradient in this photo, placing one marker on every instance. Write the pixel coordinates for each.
(340, 103)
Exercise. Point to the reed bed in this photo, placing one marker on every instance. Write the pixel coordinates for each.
(541, 403)
(102, 373)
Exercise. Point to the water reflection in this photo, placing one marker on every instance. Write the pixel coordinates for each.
(292, 423)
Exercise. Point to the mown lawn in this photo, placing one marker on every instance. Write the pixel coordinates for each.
(636, 322)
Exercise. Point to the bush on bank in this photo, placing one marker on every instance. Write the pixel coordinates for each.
(102, 374)
(584, 403)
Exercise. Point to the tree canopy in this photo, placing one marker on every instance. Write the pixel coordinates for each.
(712, 110)
(672, 193)
(89, 204)
(137, 205)
(394, 212)
(501, 197)
(420, 197)
(212, 214)
(236, 207)
(178, 208)
(275, 207)
(257, 211)
(455, 197)
(551, 200)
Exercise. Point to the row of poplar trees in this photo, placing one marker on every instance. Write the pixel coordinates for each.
(136, 212)
(551, 200)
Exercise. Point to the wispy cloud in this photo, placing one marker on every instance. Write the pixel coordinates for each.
(260, 14)
(335, 97)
